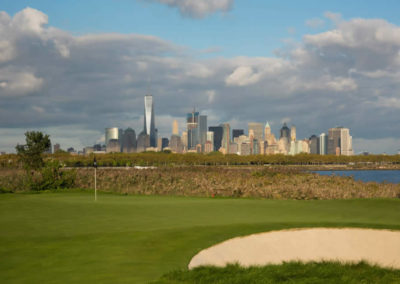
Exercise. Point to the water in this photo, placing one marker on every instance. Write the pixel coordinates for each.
(391, 176)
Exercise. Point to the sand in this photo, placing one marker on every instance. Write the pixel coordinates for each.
(380, 247)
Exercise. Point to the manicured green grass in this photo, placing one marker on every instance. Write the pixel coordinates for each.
(68, 238)
(292, 272)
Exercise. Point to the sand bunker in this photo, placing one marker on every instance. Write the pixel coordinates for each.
(381, 247)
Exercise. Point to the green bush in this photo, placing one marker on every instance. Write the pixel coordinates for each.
(51, 177)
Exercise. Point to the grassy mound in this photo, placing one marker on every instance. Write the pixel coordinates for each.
(291, 272)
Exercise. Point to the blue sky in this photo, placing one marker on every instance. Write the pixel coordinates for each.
(251, 28)
(72, 68)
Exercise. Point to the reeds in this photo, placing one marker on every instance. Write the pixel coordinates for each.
(260, 182)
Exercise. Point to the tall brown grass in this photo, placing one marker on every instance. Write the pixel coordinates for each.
(209, 181)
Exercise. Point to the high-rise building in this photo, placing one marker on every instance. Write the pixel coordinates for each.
(237, 133)
(210, 138)
(226, 136)
(113, 146)
(162, 143)
(346, 143)
(218, 132)
(340, 141)
(257, 129)
(192, 123)
(149, 122)
(129, 141)
(175, 129)
(143, 142)
(272, 146)
(203, 130)
(112, 133)
(184, 140)
(175, 144)
(208, 147)
(293, 133)
(285, 132)
(323, 144)
(314, 144)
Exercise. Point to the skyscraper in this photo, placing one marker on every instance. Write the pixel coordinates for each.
(293, 133)
(257, 129)
(323, 144)
(285, 132)
(203, 130)
(193, 133)
(218, 132)
(226, 136)
(129, 141)
(112, 133)
(175, 129)
(237, 133)
(340, 141)
(149, 123)
(314, 145)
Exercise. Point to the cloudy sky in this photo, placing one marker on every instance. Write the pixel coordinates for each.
(71, 68)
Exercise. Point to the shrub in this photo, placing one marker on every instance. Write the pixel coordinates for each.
(51, 177)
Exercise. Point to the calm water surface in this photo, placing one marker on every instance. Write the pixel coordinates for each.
(392, 176)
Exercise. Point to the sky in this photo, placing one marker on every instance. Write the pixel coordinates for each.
(72, 68)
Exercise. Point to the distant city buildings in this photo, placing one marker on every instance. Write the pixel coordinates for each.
(198, 138)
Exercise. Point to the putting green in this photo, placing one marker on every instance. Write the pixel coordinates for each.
(67, 237)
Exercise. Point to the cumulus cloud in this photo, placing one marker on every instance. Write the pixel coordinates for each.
(198, 8)
(52, 80)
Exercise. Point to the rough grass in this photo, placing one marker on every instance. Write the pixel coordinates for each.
(234, 182)
(260, 182)
(68, 238)
(292, 272)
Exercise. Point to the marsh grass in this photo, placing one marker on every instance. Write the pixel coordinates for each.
(234, 182)
(258, 182)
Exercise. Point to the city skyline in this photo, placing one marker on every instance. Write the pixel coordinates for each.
(72, 78)
(198, 137)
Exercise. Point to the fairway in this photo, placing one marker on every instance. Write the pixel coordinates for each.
(67, 237)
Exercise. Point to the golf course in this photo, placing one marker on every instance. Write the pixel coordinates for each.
(67, 237)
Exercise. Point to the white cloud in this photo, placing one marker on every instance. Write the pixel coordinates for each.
(242, 76)
(199, 8)
(29, 20)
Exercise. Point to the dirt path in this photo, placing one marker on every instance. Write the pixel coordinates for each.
(380, 247)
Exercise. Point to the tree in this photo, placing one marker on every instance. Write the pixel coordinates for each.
(31, 153)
